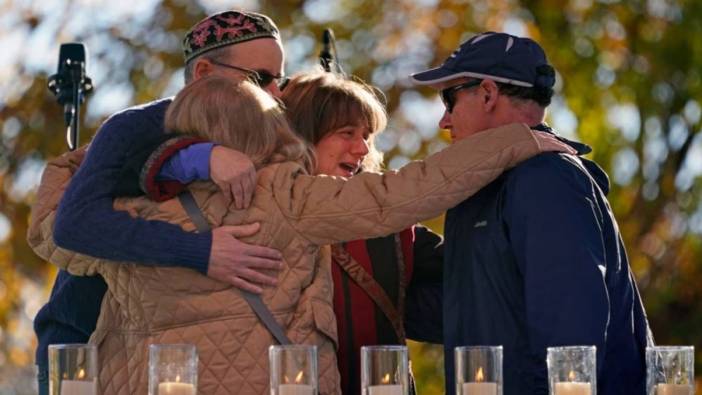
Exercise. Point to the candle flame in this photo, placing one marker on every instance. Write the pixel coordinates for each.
(177, 378)
(571, 376)
(386, 378)
(298, 378)
(479, 377)
(81, 374)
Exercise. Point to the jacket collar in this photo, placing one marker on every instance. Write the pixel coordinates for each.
(583, 149)
(595, 171)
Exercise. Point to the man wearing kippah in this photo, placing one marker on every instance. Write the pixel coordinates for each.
(535, 259)
(232, 44)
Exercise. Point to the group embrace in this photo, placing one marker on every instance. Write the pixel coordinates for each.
(286, 174)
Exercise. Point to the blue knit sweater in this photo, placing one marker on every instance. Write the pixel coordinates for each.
(87, 223)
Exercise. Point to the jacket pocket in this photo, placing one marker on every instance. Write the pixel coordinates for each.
(325, 320)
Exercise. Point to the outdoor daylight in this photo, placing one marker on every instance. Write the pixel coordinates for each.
(260, 223)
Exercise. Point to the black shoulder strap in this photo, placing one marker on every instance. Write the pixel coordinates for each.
(254, 301)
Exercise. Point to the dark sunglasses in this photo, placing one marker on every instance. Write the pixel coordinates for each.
(448, 95)
(261, 78)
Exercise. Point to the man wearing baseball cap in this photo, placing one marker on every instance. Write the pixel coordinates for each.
(234, 44)
(535, 259)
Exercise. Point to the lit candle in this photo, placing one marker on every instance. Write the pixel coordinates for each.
(78, 387)
(389, 389)
(385, 388)
(573, 388)
(176, 388)
(297, 388)
(674, 389)
(479, 387)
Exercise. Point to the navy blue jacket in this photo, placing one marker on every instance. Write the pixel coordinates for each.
(534, 260)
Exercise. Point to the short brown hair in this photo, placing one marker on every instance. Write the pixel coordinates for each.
(319, 103)
(238, 115)
(221, 55)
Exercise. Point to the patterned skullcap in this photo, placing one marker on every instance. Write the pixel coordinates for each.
(227, 28)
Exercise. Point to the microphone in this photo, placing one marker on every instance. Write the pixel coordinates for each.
(70, 85)
(328, 55)
(325, 55)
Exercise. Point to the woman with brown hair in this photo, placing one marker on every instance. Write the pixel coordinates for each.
(298, 214)
(388, 288)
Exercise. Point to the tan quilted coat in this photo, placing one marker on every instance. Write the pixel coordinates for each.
(298, 214)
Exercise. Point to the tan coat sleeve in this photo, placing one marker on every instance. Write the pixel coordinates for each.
(54, 182)
(327, 210)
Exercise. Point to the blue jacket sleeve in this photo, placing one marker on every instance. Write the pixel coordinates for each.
(87, 223)
(189, 164)
(554, 225)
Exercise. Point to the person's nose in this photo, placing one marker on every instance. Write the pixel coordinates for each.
(445, 121)
(360, 147)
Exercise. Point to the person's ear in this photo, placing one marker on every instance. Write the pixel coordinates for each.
(490, 94)
(202, 68)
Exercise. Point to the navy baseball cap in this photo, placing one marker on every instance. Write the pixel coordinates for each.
(500, 57)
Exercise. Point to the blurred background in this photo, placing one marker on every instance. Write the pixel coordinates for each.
(629, 84)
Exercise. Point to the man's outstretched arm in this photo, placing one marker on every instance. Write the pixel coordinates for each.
(87, 223)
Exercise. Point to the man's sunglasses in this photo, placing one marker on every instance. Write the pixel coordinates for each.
(448, 95)
(261, 78)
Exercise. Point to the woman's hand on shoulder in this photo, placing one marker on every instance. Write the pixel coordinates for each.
(550, 143)
(234, 173)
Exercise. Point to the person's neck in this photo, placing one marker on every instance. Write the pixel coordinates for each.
(530, 114)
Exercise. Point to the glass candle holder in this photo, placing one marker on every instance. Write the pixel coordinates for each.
(572, 370)
(73, 369)
(172, 369)
(478, 370)
(293, 370)
(670, 370)
(384, 370)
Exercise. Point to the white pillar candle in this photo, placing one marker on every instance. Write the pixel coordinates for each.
(674, 389)
(176, 388)
(573, 388)
(479, 388)
(78, 387)
(295, 389)
(388, 389)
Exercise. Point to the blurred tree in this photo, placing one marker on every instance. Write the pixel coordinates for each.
(629, 84)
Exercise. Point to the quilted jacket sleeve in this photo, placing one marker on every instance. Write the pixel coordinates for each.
(54, 181)
(327, 210)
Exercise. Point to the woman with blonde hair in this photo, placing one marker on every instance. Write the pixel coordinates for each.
(386, 288)
(298, 214)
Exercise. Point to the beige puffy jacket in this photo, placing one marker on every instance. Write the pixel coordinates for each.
(298, 214)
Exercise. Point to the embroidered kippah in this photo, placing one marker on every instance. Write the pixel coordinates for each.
(226, 28)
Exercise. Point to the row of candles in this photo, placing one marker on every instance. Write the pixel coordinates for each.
(73, 369)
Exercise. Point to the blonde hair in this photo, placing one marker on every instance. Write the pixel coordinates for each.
(238, 115)
(319, 103)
